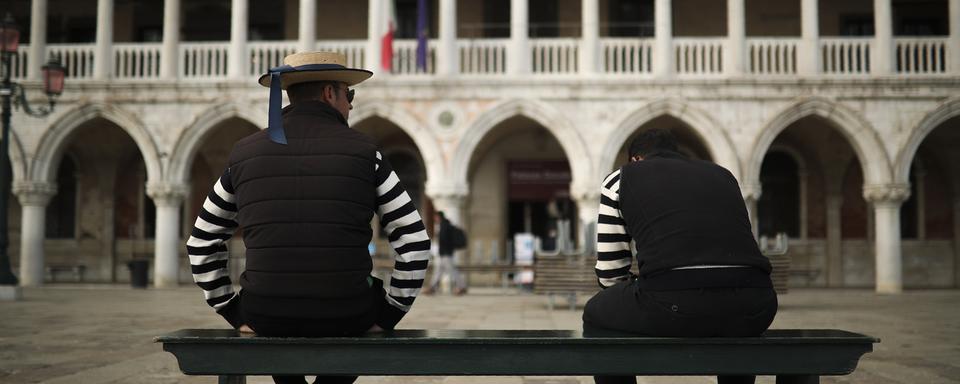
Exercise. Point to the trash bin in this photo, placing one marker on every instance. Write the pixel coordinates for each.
(138, 273)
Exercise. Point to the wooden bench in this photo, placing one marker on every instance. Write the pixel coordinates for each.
(76, 270)
(565, 275)
(794, 356)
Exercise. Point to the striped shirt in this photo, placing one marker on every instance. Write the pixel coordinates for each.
(399, 218)
(613, 242)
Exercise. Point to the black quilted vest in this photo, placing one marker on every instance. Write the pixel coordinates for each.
(305, 211)
(684, 212)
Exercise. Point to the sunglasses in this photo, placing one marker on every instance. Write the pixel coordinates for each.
(350, 93)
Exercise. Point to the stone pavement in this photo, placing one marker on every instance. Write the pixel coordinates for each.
(103, 333)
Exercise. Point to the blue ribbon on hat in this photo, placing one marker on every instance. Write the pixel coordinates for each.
(275, 120)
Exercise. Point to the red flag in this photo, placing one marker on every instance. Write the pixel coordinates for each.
(386, 42)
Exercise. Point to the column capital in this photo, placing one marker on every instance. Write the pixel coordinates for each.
(34, 193)
(886, 194)
(447, 190)
(751, 192)
(167, 194)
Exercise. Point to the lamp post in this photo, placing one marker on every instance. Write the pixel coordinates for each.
(14, 94)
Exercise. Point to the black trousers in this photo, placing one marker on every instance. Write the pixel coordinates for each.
(706, 312)
(273, 326)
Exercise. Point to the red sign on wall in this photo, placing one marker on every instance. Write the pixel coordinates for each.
(538, 180)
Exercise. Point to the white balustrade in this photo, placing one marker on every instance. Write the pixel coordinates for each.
(353, 49)
(698, 56)
(772, 56)
(18, 69)
(845, 56)
(268, 54)
(203, 61)
(77, 59)
(405, 57)
(921, 55)
(626, 55)
(555, 55)
(482, 56)
(136, 61)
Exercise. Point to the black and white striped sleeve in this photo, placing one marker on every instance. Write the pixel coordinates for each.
(613, 242)
(207, 249)
(408, 237)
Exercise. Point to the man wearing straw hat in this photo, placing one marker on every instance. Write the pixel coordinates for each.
(304, 191)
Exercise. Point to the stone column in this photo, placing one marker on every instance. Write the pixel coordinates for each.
(883, 52)
(376, 22)
(834, 262)
(663, 39)
(518, 56)
(953, 45)
(238, 60)
(170, 57)
(588, 207)
(590, 37)
(751, 195)
(736, 52)
(38, 39)
(34, 198)
(448, 63)
(808, 59)
(308, 25)
(167, 242)
(886, 200)
(453, 208)
(103, 52)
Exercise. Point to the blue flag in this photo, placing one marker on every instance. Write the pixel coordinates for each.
(422, 35)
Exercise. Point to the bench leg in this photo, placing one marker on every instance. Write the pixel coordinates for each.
(798, 379)
(232, 379)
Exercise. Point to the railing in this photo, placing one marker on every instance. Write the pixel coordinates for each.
(136, 61)
(77, 59)
(699, 56)
(203, 61)
(555, 56)
(482, 56)
(268, 54)
(921, 55)
(353, 49)
(772, 56)
(626, 55)
(405, 58)
(18, 69)
(845, 56)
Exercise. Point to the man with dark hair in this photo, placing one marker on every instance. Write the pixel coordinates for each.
(701, 273)
(304, 192)
(444, 262)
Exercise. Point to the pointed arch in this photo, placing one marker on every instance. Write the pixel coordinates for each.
(55, 140)
(581, 165)
(190, 141)
(945, 111)
(18, 161)
(425, 141)
(711, 134)
(857, 130)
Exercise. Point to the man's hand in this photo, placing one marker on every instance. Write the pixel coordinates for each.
(375, 328)
(245, 329)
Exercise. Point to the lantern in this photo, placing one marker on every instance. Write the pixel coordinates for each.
(53, 77)
(9, 35)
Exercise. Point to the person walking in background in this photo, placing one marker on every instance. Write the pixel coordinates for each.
(701, 273)
(449, 239)
(304, 192)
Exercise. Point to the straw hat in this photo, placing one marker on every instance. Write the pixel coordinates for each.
(316, 66)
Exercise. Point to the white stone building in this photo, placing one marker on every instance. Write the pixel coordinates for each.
(839, 118)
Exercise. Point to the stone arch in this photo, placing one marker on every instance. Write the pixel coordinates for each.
(550, 119)
(18, 161)
(945, 111)
(857, 130)
(711, 134)
(190, 141)
(433, 159)
(54, 141)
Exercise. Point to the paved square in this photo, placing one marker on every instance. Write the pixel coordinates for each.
(103, 333)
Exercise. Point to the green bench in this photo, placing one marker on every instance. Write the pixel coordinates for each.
(794, 356)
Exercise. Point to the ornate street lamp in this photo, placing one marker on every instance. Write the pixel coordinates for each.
(53, 80)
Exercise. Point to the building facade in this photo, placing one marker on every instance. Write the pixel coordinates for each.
(839, 119)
